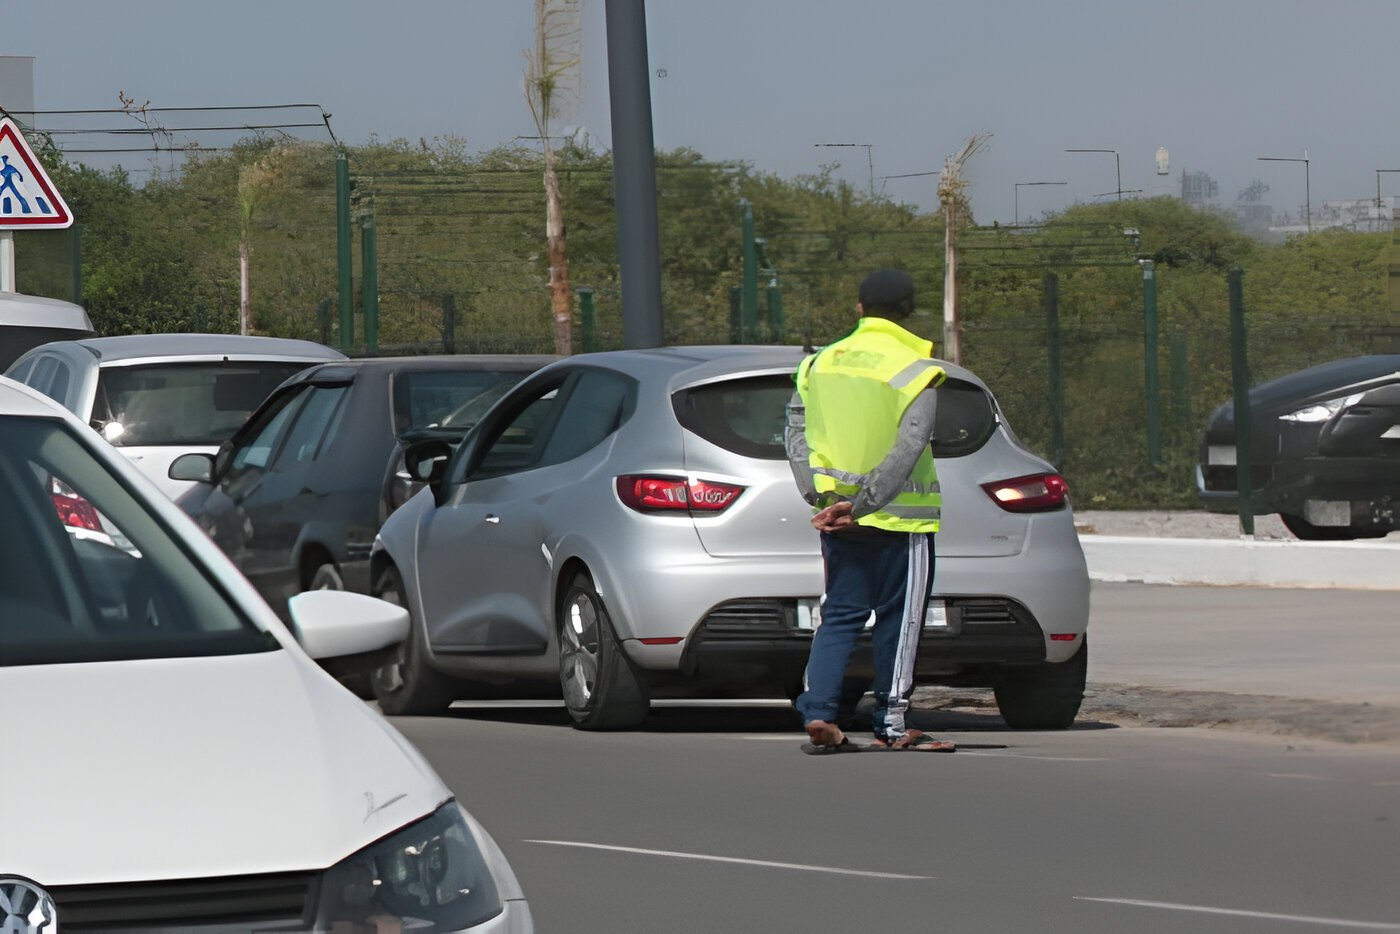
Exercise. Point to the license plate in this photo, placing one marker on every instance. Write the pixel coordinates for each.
(1220, 455)
(809, 615)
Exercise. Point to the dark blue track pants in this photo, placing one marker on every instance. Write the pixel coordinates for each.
(891, 574)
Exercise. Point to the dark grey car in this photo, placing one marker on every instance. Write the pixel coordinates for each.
(1325, 451)
(297, 495)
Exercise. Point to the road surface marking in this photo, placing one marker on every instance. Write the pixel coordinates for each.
(731, 859)
(1303, 776)
(1234, 912)
(1022, 755)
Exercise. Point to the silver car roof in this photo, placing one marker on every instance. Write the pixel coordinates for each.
(683, 367)
(131, 347)
(38, 312)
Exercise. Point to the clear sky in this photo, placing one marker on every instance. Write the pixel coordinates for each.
(1216, 82)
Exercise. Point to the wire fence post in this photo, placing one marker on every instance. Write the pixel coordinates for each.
(1244, 426)
(587, 319)
(1149, 362)
(1051, 299)
(449, 322)
(342, 251)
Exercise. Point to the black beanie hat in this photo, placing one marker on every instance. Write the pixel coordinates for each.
(888, 290)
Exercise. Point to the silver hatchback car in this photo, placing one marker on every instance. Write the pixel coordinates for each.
(625, 524)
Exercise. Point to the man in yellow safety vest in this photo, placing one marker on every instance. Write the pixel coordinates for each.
(858, 438)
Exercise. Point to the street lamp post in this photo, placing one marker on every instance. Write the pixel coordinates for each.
(869, 157)
(1019, 186)
(1307, 180)
(1117, 166)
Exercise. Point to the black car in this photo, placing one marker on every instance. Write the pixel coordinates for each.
(1325, 450)
(296, 496)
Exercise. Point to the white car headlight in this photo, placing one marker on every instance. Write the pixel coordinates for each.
(429, 876)
(1322, 411)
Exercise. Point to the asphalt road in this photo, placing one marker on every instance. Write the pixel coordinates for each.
(710, 819)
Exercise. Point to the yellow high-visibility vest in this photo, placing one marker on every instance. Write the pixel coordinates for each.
(855, 392)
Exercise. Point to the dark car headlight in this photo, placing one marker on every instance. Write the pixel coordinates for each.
(1322, 411)
(429, 876)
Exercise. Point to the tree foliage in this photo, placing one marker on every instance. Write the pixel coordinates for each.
(462, 255)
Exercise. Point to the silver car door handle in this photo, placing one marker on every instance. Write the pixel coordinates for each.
(493, 519)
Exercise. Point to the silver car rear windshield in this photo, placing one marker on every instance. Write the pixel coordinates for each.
(185, 403)
(747, 415)
(88, 573)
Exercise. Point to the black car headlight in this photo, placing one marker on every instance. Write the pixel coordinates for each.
(429, 876)
(1322, 411)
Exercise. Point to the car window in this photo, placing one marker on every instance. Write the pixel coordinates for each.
(47, 374)
(512, 444)
(309, 434)
(454, 398)
(966, 418)
(21, 370)
(185, 403)
(596, 405)
(745, 415)
(89, 573)
(254, 447)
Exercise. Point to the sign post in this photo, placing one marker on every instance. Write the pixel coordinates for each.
(28, 199)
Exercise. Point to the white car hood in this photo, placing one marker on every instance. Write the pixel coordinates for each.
(195, 767)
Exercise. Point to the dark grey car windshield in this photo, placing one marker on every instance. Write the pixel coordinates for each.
(186, 403)
(452, 400)
(88, 573)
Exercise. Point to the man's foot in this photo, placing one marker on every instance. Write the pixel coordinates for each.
(916, 740)
(823, 733)
(826, 738)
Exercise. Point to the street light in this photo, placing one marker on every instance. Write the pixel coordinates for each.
(869, 158)
(1117, 166)
(1019, 186)
(1307, 179)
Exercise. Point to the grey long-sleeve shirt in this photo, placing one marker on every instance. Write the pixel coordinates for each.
(888, 477)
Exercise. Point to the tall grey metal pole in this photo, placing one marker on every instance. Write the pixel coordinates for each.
(634, 174)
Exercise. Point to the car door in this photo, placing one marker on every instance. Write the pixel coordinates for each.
(486, 571)
(283, 500)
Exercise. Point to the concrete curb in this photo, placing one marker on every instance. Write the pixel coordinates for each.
(1243, 562)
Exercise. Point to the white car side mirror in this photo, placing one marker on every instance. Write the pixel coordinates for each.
(333, 623)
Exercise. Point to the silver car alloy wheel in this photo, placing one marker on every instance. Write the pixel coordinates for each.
(390, 676)
(578, 650)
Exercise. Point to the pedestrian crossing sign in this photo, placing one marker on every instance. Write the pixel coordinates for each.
(27, 198)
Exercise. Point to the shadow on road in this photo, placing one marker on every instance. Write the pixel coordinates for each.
(738, 717)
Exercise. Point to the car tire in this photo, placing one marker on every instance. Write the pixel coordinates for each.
(1304, 530)
(326, 577)
(1044, 696)
(408, 685)
(602, 690)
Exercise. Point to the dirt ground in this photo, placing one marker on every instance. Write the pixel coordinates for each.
(1183, 524)
(1128, 705)
(1174, 524)
(1134, 705)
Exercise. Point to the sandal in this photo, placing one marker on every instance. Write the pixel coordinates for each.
(915, 741)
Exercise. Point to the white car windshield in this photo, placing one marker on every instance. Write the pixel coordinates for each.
(184, 403)
(89, 573)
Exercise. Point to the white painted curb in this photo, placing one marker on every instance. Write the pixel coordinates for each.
(1243, 562)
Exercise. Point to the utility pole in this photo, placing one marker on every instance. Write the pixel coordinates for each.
(951, 185)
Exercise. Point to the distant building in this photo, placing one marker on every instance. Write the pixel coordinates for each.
(1198, 189)
(1360, 215)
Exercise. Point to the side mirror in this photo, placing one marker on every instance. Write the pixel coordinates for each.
(426, 461)
(334, 623)
(196, 466)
